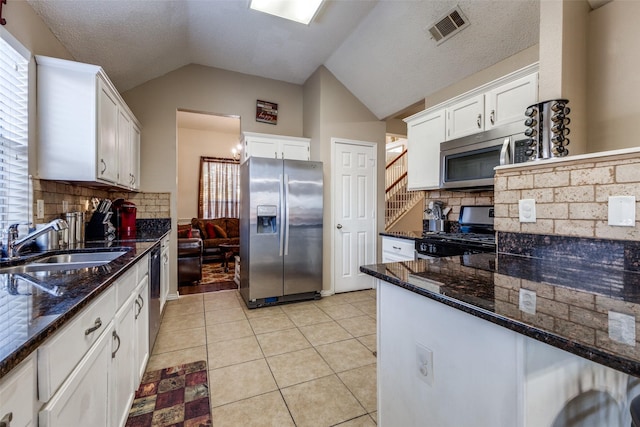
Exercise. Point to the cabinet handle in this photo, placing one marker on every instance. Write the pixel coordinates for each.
(492, 117)
(479, 121)
(139, 309)
(395, 247)
(96, 325)
(6, 420)
(141, 301)
(105, 167)
(115, 337)
(275, 154)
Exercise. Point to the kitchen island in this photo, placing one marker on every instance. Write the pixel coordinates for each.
(504, 340)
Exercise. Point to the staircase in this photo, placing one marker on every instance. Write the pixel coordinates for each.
(398, 199)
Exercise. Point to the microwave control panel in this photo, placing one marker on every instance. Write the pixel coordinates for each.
(520, 147)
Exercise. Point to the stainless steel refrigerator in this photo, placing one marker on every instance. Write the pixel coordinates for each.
(280, 231)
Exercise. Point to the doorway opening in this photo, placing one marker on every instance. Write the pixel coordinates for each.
(213, 137)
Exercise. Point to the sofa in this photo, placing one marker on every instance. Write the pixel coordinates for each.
(189, 255)
(215, 232)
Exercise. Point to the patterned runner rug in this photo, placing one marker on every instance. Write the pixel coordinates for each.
(176, 396)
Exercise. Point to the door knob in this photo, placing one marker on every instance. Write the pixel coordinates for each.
(339, 226)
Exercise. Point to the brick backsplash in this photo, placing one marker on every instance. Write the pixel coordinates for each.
(78, 197)
(455, 199)
(571, 195)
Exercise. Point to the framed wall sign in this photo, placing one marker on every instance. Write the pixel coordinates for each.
(267, 112)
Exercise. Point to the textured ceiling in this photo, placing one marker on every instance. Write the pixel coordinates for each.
(377, 49)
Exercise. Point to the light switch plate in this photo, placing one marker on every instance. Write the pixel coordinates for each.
(622, 211)
(622, 328)
(424, 364)
(527, 210)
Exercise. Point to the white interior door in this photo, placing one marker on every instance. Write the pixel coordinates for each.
(354, 208)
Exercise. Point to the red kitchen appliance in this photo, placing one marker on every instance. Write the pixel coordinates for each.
(124, 212)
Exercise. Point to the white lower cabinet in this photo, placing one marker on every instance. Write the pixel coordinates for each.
(18, 395)
(164, 273)
(141, 317)
(89, 370)
(394, 250)
(82, 398)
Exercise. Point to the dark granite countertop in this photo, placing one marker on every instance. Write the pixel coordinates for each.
(409, 235)
(33, 307)
(573, 302)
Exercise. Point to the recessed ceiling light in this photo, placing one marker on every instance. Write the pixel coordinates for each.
(301, 11)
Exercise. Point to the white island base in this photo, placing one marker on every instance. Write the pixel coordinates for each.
(483, 375)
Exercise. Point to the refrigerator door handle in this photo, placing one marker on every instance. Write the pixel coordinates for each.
(286, 228)
(282, 202)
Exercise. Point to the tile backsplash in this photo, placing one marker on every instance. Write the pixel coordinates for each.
(455, 199)
(571, 195)
(78, 198)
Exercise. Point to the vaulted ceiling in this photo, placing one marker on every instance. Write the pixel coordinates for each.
(378, 49)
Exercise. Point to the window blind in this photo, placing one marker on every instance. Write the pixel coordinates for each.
(14, 137)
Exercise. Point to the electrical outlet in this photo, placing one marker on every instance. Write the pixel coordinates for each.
(527, 210)
(65, 206)
(622, 328)
(527, 301)
(40, 209)
(424, 364)
(622, 211)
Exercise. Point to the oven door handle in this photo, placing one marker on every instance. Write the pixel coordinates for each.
(504, 152)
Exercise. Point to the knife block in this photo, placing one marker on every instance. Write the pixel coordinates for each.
(96, 228)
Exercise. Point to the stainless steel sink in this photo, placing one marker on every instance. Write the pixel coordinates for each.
(68, 261)
(80, 257)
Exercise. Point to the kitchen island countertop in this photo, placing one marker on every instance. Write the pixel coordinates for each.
(572, 311)
(37, 307)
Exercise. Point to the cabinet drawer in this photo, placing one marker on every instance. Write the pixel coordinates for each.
(398, 249)
(61, 353)
(125, 285)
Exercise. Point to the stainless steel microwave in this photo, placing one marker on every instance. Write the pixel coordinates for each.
(468, 162)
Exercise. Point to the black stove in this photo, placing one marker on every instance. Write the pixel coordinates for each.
(476, 235)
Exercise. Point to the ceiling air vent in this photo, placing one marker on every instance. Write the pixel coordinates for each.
(452, 23)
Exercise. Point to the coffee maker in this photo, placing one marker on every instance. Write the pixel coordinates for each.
(124, 218)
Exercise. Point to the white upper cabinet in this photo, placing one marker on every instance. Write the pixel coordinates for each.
(506, 103)
(495, 104)
(466, 117)
(85, 129)
(425, 132)
(275, 146)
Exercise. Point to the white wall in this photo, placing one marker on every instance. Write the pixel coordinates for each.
(193, 144)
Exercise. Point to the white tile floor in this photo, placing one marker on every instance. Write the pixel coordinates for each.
(302, 364)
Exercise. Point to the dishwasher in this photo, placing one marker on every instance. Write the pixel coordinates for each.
(154, 295)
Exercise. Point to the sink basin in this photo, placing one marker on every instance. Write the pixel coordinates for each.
(69, 261)
(80, 257)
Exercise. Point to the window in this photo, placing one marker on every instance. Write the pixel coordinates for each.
(14, 132)
(219, 188)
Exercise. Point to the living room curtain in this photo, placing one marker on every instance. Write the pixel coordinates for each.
(219, 194)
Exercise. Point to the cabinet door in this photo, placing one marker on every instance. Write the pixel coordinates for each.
(82, 398)
(142, 328)
(507, 103)
(394, 250)
(124, 148)
(18, 395)
(135, 157)
(261, 148)
(123, 362)
(107, 163)
(465, 117)
(164, 274)
(424, 135)
(293, 150)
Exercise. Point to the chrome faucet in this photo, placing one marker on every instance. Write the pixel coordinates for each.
(15, 245)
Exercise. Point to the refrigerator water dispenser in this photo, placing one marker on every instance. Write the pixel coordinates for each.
(266, 219)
